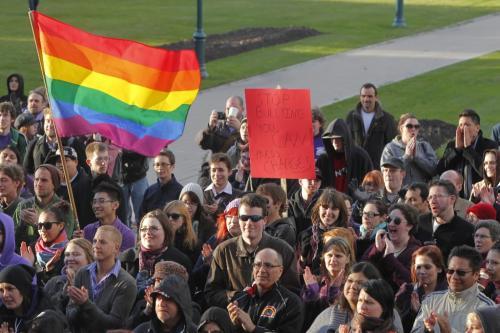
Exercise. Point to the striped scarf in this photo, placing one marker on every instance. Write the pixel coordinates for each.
(45, 252)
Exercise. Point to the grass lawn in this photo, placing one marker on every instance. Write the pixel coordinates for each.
(441, 94)
(345, 24)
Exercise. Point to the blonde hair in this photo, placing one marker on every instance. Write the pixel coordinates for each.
(115, 233)
(189, 237)
(346, 235)
(85, 245)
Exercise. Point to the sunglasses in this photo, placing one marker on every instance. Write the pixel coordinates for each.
(253, 218)
(46, 225)
(410, 126)
(459, 272)
(396, 220)
(173, 216)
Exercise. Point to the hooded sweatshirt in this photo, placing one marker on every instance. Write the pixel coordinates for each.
(17, 98)
(219, 316)
(490, 318)
(175, 288)
(357, 160)
(8, 256)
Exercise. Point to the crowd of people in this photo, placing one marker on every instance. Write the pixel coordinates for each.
(387, 237)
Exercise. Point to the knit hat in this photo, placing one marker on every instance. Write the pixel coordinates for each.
(49, 321)
(483, 211)
(54, 174)
(19, 276)
(165, 268)
(232, 207)
(195, 188)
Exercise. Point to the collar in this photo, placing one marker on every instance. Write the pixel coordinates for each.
(72, 179)
(228, 189)
(467, 294)
(92, 268)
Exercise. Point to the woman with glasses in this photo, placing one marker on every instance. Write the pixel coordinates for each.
(343, 310)
(47, 254)
(181, 224)
(417, 155)
(203, 224)
(373, 219)
(155, 245)
(372, 187)
(329, 212)
(393, 248)
(427, 275)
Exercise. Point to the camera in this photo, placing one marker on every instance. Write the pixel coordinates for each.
(232, 112)
(221, 116)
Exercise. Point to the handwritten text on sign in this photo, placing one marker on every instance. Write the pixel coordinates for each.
(280, 133)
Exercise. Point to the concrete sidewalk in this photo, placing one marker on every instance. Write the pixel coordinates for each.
(339, 76)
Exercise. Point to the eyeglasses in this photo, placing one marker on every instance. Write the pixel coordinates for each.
(396, 220)
(370, 214)
(190, 204)
(410, 126)
(173, 216)
(162, 164)
(253, 218)
(100, 201)
(266, 265)
(152, 229)
(459, 272)
(46, 225)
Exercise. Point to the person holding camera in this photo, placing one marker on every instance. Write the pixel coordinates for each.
(223, 127)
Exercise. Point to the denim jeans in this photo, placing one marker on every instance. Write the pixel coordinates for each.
(134, 191)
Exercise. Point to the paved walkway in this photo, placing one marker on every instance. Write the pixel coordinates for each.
(339, 76)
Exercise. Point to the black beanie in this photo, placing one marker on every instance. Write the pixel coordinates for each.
(19, 276)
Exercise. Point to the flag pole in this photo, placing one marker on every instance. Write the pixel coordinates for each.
(59, 142)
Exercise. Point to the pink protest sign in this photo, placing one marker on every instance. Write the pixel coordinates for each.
(280, 133)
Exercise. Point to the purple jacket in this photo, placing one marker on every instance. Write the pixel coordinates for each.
(127, 234)
(8, 256)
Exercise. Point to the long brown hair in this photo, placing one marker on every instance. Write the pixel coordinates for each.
(489, 181)
(335, 199)
(189, 237)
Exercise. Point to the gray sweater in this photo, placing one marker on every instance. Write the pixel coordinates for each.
(109, 310)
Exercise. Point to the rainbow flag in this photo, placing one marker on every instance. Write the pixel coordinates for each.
(136, 95)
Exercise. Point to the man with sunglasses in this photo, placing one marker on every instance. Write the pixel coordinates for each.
(266, 306)
(447, 310)
(105, 203)
(231, 267)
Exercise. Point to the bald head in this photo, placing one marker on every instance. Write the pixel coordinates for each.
(454, 177)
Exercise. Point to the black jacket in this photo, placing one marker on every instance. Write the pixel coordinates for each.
(283, 229)
(457, 159)
(382, 130)
(278, 310)
(158, 195)
(358, 162)
(457, 232)
(301, 214)
(82, 192)
(134, 166)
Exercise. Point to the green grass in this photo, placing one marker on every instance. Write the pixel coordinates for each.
(345, 24)
(441, 94)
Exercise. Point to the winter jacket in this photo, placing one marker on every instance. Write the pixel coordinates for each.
(175, 288)
(457, 304)
(218, 139)
(17, 98)
(82, 192)
(158, 195)
(134, 166)
(300, 212)
(278, 310)
(231, 268)
(357, 160)
(461, 159)
(382, 130)
(8, 256)
(283, 229)
(420, 168)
